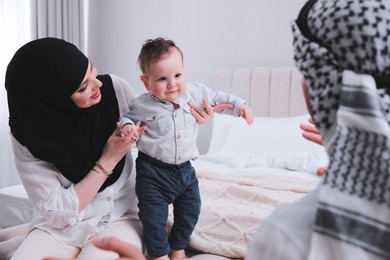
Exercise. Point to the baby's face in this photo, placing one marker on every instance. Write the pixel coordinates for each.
(165, 78)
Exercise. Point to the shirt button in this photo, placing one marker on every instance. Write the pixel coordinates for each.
(179, 158)
(178, 137)
(108, 199)
(154, 117)
(49, 212)
(174, 115)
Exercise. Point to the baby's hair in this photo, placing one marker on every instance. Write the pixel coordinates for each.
(152, 51)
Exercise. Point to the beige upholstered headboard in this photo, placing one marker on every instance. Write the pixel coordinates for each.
(269, 91)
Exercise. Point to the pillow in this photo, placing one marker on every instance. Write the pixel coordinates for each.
(302, 161)
(266, 134)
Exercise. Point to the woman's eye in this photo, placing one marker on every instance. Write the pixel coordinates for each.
(81, 90)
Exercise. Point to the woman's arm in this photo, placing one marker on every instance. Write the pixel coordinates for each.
(114, 150)
(57, 199)
(52, 195)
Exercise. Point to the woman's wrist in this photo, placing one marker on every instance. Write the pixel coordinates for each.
(102, 169)
(105, 166)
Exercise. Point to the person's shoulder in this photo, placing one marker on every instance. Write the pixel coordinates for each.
(118, 82)
(122, 87)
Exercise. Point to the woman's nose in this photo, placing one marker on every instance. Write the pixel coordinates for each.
(97, 83)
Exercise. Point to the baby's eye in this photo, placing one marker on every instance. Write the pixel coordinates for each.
(178, 75)
(162, 79)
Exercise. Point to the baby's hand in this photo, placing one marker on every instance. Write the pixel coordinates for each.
(246, 112)
(132, 131)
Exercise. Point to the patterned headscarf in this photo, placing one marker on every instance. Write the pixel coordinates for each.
(342, 48)
(40, 80)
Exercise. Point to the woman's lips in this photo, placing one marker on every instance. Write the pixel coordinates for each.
(96, 95)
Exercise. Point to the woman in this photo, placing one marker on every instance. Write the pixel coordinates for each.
(77, 171)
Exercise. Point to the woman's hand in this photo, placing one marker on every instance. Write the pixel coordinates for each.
(311, 133)
(114, 150)
(134, 130)
(321, 171)
(202, 115)
(125, 250)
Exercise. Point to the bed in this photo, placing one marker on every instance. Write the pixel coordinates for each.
(248, 170)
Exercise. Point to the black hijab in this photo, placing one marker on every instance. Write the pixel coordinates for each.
(40, 79)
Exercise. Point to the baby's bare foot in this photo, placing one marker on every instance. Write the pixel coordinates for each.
(178, 255)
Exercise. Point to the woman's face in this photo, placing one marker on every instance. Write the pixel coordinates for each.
(88, 94)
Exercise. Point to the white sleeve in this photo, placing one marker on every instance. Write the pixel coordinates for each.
(272, 244)
(50, 193)
(286, 233)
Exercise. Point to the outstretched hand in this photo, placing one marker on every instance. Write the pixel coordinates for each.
(202, 115)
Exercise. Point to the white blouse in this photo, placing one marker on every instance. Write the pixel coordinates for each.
(55, 200)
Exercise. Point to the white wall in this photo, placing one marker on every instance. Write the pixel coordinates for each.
(213, 34)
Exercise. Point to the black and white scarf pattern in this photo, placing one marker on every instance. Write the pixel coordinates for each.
(343, 51)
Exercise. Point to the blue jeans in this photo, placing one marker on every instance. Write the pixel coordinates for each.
(159, 184)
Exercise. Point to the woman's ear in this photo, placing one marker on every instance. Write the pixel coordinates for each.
(145, 80)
